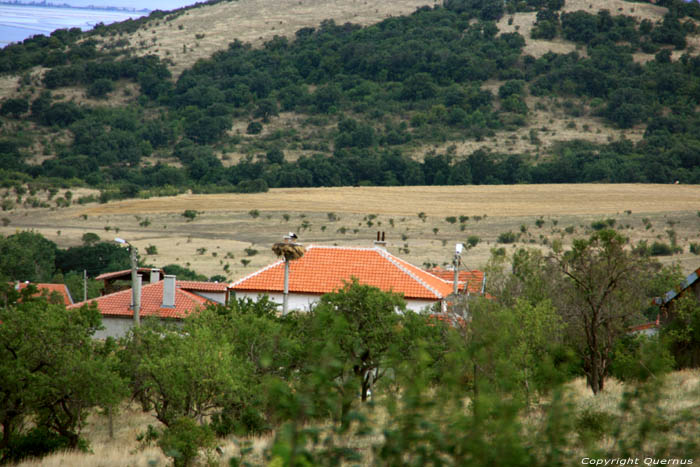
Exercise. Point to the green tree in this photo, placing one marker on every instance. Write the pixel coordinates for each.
(27, 256)
(183, 439)
(188, 372)
(599, 297)
(359, 323)
(51, 369)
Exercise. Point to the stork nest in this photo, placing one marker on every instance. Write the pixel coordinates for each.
(290, 251)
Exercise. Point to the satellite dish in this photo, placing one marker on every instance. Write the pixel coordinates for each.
(458, 248)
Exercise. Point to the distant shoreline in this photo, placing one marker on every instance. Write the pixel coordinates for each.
(65, 5)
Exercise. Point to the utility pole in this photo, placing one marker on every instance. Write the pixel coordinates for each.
(135, 283)
(455, 264)
(135, 289)
(285, 297)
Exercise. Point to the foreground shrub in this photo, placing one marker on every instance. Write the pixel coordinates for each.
(183, 439)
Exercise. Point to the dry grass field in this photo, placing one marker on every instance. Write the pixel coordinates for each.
(232, 229)
(680, 393)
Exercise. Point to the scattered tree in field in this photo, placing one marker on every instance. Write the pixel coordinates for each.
(600, 297)
(189, 214)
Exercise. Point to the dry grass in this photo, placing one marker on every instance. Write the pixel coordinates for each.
(494, 200)
(223, 229)
(201, 32)
(681, 391)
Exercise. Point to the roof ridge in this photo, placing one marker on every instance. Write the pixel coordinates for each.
(259, 271)
(391, 258)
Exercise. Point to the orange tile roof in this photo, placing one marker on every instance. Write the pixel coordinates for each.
(201, 286)
(324, 269)
(474, 280)
(119, 303)
(51, 288)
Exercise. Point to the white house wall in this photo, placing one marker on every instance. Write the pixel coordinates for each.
(304, 302)
(218, 297)
(117, 327)
(114, 327)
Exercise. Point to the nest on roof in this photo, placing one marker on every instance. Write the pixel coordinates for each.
(290, 251)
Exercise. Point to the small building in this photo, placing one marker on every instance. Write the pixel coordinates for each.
(470, 282)
(163, 300)
(325, 269)
(689, 285)
(212, 291)
(57, 292)
(121, 280)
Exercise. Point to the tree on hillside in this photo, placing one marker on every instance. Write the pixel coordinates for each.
(27, 256)
(600, 297)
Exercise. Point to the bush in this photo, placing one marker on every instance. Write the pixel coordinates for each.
(100, 88)
(183, 439)
(639, 357)
(37, 442)
(507, 237)
(660, 249)
(189, 214)
(598, 225)
(473, 240)
(695, 248)
(254, 128)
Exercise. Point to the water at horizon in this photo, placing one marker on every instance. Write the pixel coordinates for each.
(18, 22)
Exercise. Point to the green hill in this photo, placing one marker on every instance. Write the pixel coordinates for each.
(450, 94)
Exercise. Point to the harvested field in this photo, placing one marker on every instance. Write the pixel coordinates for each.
(498, 200)
(232, 234)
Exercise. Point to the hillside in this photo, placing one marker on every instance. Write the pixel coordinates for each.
(250, 95)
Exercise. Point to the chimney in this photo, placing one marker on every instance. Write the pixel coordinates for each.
(169, 292)
(379, 242)
(137, 290)
(155, 276)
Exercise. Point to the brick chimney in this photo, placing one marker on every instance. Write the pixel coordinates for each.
(380, 242)
(169, 292)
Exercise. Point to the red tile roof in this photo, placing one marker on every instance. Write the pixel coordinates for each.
(200, 286)
(51, 288)
(474, 280)
(119, 303)
(324, 269)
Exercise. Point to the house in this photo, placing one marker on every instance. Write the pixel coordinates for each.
(212, 291)
(690, 285)
(60, 291)
(325, 269)
(470, 282)
(115, 281)
(162, 299)
(666, 303)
